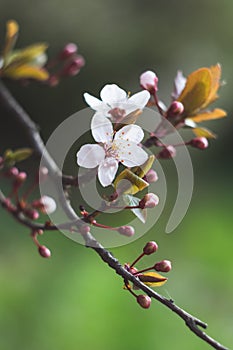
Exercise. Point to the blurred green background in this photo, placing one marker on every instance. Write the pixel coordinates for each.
(73, 301)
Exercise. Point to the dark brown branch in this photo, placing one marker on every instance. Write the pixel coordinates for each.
(16, 111)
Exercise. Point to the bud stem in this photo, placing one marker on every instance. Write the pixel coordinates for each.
(144, 270)
(139, 258)
(157, 104)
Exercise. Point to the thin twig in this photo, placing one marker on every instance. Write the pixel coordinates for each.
(23, 119)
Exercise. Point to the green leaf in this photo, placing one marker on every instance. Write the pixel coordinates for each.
(204, 132)
(128, 182)
(12, 157)
(144, 168)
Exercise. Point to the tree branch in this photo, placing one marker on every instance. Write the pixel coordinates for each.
(23, 119)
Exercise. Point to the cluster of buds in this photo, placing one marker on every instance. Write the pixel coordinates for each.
(68, 63)
(150, 200)
(31, 62)
(151, 278)
(90, 218)
(18, 202)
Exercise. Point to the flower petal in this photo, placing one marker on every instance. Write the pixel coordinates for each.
(112, 93)
(129, 154)
(93, 102)
(107, 171)
(133, 133)
(138, 101)
(179, 84)
(89, 156)
(101, 128)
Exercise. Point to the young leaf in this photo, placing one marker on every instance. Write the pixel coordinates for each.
(134, 201)
(12, 157)
(129, 183)
(196, 91)
(204, 132)
(12, 29)
(152, 279)
(26, 71)
(209, 115)
(144, 168)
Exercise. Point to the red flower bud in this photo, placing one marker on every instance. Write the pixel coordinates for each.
(199, 142)
(53, 80)
(163, 266)
(144, 301)
(12, 172)
(44, 251)
(73, 66)
(175, 109)
(150, 248)
(126, 231)
(167, 152)
(21, 177)
(31, 214)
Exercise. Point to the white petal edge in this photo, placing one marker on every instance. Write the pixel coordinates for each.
(107, 171)
(112, 93)
(93, 102)
(89, 156)
(139, 100)
(131, 133)
(131, 155)
(101, 128)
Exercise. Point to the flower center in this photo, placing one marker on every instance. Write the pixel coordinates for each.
(112, 150)
(117, 113)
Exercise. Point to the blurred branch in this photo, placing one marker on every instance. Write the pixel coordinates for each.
(23, 119)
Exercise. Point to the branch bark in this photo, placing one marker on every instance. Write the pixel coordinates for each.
(25, 122)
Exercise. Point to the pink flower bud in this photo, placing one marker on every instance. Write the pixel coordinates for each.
(150, 248)
(167, 152)
(73, 66)
(21, 177)
(132, 269)
(43, 173)
(68, 51)
(149, 81)
(151, 176)
(126, 231)
(45, 204)
(53, 80)
(31, 214)
(175, 109)
(13, 172)
(199, 142)
(144, 301)
(44, 251)
(163, 266)
(150, 200)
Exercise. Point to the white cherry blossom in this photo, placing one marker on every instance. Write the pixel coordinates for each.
(115, 102)
(112, 148)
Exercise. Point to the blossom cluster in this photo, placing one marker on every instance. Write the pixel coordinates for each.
(113, 147)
